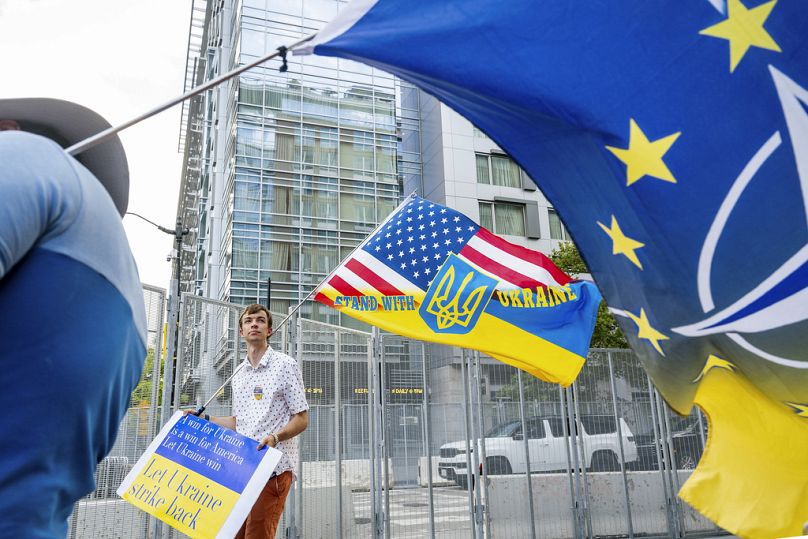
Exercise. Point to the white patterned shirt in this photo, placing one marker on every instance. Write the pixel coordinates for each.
(266, 397)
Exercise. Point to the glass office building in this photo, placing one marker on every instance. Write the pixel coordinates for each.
(293, 169)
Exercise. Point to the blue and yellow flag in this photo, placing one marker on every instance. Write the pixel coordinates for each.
(431, 273)
(672, 137)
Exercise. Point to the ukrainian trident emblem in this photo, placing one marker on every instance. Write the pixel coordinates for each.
(457, 297)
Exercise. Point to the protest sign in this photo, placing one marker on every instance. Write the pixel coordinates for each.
(199, 478)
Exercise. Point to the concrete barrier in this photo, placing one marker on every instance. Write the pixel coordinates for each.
(114, 518)
(437, 480)
(607, 507)
(355, 474)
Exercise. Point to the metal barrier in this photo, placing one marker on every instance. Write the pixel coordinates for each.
(395, 447)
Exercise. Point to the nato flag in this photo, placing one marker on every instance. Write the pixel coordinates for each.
(672, 137)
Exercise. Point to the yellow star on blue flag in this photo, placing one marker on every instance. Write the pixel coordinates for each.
(672, 136)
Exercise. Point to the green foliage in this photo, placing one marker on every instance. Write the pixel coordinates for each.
(143, 391)
(607, 333)
(568, 259)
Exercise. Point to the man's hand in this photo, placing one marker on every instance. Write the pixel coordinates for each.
(296, 425)
(270, 439)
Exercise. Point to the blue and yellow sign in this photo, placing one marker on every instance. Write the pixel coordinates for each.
(199, 478)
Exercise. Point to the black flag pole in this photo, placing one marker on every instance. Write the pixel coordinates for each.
(98, 138)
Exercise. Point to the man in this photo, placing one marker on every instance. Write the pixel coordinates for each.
(269, 405)
(73, 331)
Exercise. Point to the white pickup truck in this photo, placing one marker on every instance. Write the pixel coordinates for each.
(505, 447)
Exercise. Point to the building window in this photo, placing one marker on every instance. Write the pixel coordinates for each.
(483, 172)
(504, 172)
(503, 218)
(487, 215)
(498, 170)
(557, 229)
(478, 133)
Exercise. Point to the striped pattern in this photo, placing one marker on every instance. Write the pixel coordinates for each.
(512, 264)
(409, 248)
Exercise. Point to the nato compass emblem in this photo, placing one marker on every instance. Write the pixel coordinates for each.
(781, 299)
(457, 297)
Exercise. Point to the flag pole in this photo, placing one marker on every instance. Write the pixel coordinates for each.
(98, 138)
(199, 411)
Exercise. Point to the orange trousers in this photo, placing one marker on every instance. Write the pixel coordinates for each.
(262, 522)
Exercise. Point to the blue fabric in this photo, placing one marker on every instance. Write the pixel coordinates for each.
(556, 84)
(71, 344)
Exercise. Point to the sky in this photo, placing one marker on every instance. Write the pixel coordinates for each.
(120, 58)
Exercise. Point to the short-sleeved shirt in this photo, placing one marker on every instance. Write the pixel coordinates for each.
(266, 397)
(73, 333)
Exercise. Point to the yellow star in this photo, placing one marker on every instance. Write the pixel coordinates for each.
(643, 157)
(801, 409)
(744, 29)
(621, 244)
(714, 362)
(646, 331)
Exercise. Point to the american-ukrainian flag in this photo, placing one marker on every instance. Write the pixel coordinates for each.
(431, 273)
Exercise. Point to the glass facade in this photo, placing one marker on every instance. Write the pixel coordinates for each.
(314, 159)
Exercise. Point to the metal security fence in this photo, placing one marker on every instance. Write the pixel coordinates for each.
(409, 439)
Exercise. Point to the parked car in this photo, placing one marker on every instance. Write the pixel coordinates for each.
(687, 445)
(504, 447)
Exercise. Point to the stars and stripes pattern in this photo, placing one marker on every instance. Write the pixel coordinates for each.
(407, 250)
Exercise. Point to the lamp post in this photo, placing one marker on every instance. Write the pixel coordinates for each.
(179, 232)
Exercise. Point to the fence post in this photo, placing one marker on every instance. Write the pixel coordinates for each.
(477, 452)
(582, 451)
(297, 322)
(428, 442)
(571, 468)
(674, 472)
(466, 435)
(580, 496)
(338, 427)
(484, 506)
(656, 422)
(381, 508)
(527, 453)
(384, 450)
(622, 450)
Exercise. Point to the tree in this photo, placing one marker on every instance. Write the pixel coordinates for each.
(142, 393)
(607, 333)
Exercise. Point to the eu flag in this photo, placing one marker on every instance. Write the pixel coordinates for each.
(672, 137)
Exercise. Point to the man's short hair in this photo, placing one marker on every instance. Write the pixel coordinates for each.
(252, 309)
